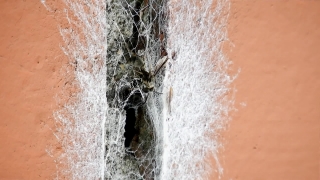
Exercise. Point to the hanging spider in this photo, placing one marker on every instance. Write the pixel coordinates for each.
(134, 95)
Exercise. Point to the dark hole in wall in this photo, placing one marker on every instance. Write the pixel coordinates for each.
(134, 68)
(129, 128)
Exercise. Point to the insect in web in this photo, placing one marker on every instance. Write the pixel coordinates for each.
(137, 94)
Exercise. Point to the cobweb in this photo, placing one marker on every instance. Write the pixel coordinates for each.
(196, 84)
(134, 48)
(115, 47)
(81, 123)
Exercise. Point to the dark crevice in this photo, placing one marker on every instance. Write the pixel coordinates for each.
(133, 81)
(130, 130)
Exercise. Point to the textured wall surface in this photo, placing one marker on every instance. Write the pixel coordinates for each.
(276, 135)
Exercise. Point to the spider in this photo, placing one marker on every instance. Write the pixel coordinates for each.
(134, 96)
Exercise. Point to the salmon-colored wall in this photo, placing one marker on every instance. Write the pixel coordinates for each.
(30, 63)
(276, 135)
